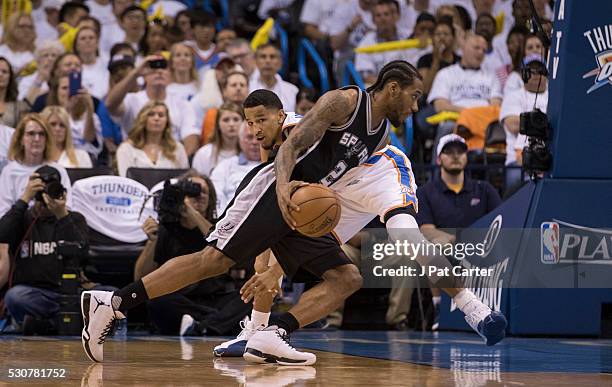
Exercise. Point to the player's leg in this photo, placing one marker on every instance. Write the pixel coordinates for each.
(100, 309)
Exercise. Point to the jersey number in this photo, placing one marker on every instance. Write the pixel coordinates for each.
(334, 174)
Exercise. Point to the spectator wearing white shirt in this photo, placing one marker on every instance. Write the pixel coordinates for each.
(150, 143)
(240, 52)
(6, 133)
(125, 106)
(385, 16)
(102, 9)
(133, 22)
(228, 174)
(464, 85)
(534, 94)
(494, 60)
(36, 84)
(269, 62)
(520, 13)
(532, 46)
(203, 28)
(31, 147)
(58, 121)
(18, 38)
(46, 19)
(84, 122)
(112, 32)
(94, 71)
(185, 80)
(318, 16)
(224, 141)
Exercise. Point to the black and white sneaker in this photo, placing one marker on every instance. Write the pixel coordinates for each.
(271, 345)
(98, 317)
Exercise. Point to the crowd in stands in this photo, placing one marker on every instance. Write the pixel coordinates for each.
(160, 84)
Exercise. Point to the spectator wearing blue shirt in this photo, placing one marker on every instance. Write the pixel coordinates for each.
(452, 200)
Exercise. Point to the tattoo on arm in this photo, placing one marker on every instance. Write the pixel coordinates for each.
(332, 107)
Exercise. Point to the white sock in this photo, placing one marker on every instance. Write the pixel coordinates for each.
(259, 318)
(468, 303)
(436, 300)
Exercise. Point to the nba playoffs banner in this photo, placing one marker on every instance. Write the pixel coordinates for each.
(580, 89)
(112, 205)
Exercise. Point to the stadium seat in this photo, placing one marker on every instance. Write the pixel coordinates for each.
(149, 176)
(82, 173)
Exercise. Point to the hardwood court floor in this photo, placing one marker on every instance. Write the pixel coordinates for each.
(168, 361)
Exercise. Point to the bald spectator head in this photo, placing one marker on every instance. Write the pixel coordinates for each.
(474, 50)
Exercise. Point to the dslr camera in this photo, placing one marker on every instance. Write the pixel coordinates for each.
(53, 183)
(169, 204)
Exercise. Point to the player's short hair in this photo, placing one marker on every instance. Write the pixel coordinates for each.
(263, 97)
(398, 70)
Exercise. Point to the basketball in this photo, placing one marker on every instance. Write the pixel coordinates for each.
(319, 210)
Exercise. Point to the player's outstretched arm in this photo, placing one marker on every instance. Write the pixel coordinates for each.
(333, 108)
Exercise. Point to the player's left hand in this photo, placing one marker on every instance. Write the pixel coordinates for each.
(260, 285)
(283, 195)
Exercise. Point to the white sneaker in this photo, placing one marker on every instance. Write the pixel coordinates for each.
(272, 346)
(490, 325)
(235, 347)
(98, 317)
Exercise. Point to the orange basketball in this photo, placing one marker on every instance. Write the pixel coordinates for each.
(319, 210)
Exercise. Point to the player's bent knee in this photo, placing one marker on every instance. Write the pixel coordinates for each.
(213, 262)
(346, 277)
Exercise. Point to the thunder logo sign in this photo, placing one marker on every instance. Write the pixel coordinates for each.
(600, 39)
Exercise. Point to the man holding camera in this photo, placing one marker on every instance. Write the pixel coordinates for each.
(125, 106)
(42, 241)
(212, 306)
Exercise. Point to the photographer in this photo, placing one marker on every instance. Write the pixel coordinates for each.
(38, 239)
(211, 306)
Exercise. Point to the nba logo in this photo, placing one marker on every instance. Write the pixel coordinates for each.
(549, 232)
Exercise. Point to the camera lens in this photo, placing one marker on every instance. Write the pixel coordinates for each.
(54, 189)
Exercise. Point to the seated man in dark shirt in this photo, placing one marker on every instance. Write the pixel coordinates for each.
(212, 306)
(452, 200)
(35, 237)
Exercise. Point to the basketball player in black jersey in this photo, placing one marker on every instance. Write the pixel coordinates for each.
(341, 132)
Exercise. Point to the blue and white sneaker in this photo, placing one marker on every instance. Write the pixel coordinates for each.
(490, 325)
(235, 347)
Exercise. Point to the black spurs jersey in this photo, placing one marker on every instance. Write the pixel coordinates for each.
(342, 147)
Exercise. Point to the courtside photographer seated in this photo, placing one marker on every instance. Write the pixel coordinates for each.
(45, 242)
(186, 212)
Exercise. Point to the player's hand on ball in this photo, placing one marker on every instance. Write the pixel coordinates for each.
(259, 285)
(283, 194)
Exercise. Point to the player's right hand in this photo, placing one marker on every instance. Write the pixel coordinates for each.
(283, 195)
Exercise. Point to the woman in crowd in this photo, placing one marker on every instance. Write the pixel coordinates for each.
(18, 41)
(11, 110)
(58, 121)
(304, 101)
(224, 142)
(533, 46)
(150, 143)
(31, 147)
(33, 85)
(84, 123)
(442, 55)
(184, 75)
(94, 71)
(155, 39)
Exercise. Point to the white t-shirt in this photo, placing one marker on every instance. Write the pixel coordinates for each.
(514, 104)
(129, 156)
(372, 63)
(182, 116)
(78, 135)
(82, 158)
(204, 161)
(44, 31)
(285, 91)
(15, 177)
(321, 14)
(104, 13)
(6, 133)
(95, 78)
(110, 35)
(513, 83)
(186, 91)
(17, 59)
(343, 16)
(226, 177)
(26, 83)
(465, 87)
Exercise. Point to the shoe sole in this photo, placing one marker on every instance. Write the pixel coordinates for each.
(254, 356)
(85, 301)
